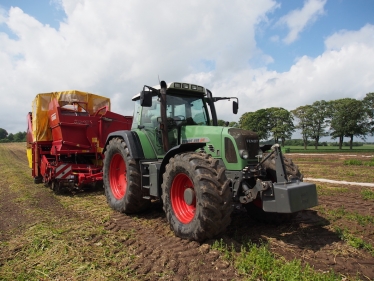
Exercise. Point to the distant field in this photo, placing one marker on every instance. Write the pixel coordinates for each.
(334, 149)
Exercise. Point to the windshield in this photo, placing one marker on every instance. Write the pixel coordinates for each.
(190, 109)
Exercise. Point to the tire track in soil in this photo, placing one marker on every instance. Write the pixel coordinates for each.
(19, 156)
(306, 238)
(162, 256)
(13, 216)
(16, 213)
(324, 250)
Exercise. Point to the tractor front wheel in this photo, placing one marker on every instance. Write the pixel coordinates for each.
(196, 196)
(291, 168)
(121, 178)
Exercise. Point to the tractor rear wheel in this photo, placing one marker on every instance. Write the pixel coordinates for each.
(121, 178)
(254, 209)
(196, 196)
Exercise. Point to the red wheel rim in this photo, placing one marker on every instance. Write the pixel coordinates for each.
(117, 176)
(184, 212)
(257, 202)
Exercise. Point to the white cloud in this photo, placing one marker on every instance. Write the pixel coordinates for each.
(57, 4)
(338, 40)
(343, 70)
(114, 47)
(297, 20)
(274, 38)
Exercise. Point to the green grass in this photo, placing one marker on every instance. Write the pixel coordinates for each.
(256, 262)
(55, 251)
(331, 149)
(325, 189)
(355, 162)
(336, 214)
(367, 194)
(353, 241)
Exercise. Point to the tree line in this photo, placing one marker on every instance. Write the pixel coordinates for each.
(339, 119)
(17, 137)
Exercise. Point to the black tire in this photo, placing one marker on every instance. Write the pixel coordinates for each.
(291, 168)
(254, 209)
(38, 180)
(57, 188)
(207, 212)
(121, 179)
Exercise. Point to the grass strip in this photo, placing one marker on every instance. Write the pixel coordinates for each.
(256, 262)
(341, 212)
(367, 194)
(354, 241)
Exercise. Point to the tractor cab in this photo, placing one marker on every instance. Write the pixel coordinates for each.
(162, 112)
(161, 116)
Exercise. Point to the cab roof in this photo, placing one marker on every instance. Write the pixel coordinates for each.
(178, 86)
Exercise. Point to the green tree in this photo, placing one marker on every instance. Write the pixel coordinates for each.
(10, 137)
(224, 123)
(221, 122)
(280, 123)
(368, 102)
(304, 116)
(349, 118)
(319, 115)
(3, 133)
(20, 136)
(234, 124)
(273, 122)
(256, 121)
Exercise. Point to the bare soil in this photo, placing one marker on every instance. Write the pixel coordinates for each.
(159, 255)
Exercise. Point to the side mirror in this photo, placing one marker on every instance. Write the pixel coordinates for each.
(235, 107)
(146, 98)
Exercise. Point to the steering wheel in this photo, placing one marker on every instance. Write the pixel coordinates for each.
(180, 118)
(171, 122)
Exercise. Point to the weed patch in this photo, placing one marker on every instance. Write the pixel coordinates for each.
(256, 262)
(353, 241)
(367, 194)
(342, 213)
(353, 162)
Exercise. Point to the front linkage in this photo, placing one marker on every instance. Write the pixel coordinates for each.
(285, 195)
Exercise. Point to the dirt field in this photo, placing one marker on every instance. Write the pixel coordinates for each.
(78, 237)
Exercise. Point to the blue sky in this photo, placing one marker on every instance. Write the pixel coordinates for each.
(338, 15)
(46, 11)
(266, 52)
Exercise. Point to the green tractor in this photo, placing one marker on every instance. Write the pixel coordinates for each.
(176, 152)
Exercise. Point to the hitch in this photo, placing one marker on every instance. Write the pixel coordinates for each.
(250, 194)
(283, 196)
(289, 196)
(280, 169)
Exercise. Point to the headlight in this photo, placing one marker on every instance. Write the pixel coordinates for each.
(259, 154)
(244, 154)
